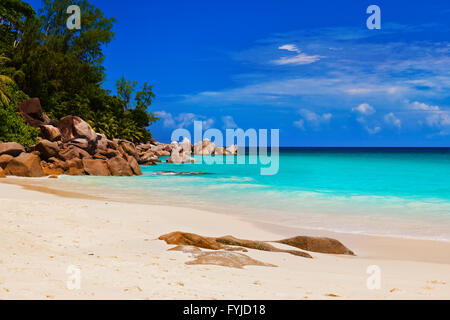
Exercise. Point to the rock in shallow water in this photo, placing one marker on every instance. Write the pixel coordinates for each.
(119, 167)
(173, 173)
(96, 167)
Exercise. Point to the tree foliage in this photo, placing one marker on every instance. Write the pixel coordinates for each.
(12, 125)
(64, 68)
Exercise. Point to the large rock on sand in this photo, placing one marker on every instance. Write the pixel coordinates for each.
(313, 244)
(191, 239)
(258, 245)
(75, 167)
(226, 259)
(2, 173)
(119, 167)
(25, 165)
(227, 243)
(96, 167)
(134, 166)
(73, 127)
(11, 148)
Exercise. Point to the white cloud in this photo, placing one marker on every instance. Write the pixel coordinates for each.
(289, 47)
(167, 118)
(208, 123)
(435, 116)
(377, 88)
(183, 120)
(228, 122)
(300, 124)
(374, 130)
(424, 107)
(313, 119)
(365, 109)
(299, 59)
(392, 120)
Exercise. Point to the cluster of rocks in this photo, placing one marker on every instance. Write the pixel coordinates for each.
(193, 243)
(70, 146)
(181, 151)
(312, 244)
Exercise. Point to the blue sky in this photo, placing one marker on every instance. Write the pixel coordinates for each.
(309, 68)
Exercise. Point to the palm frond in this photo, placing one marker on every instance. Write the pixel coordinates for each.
(6, 79)
(3, 98)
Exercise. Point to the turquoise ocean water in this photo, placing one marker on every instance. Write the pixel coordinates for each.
(396, 192)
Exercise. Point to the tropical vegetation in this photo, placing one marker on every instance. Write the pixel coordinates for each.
(41, 57)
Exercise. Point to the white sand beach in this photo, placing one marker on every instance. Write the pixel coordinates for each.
(116, 248)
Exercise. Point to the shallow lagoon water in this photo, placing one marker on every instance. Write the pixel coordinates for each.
(395, 192)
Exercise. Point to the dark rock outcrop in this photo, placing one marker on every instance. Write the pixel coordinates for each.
(31, 110)
(71, 146)
(50, 133)
(11, 148)
(73, 127)
(47, 149)
(73, 152)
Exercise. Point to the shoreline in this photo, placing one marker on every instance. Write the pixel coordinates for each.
(116, 248)
(367, 245)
